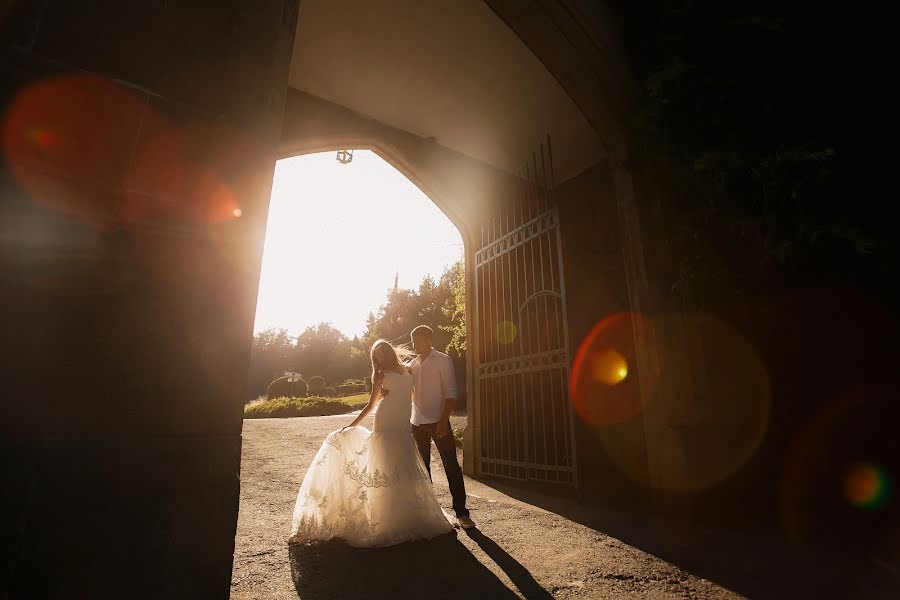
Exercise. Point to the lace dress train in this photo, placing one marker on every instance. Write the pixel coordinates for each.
(370, 488)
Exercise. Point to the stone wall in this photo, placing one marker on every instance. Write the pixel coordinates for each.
(139, 140)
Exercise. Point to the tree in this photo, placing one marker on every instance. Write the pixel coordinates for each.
(439, 304)
(744, 121)
(455, 308)
(323, 350)
(270, 356)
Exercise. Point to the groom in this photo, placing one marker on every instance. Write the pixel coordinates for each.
(434, 392)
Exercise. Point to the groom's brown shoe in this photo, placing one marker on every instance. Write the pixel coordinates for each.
(465, 522)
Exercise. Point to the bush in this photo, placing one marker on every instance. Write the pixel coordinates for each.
(330, 392)
(312, 406)
(281, 387)
(316, 385)
(368, 383)
(349, 389)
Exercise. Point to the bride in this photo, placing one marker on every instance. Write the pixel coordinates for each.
(371, 488)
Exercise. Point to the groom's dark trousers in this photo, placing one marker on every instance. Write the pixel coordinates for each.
(423, 434)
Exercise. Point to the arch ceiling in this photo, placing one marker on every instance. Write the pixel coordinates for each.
(451, 71)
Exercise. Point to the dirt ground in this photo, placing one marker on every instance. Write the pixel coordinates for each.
(519, 550)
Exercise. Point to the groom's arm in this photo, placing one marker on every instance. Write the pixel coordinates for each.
(448, 383)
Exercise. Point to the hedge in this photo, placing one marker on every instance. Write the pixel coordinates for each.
(312, 406)
(282, 387)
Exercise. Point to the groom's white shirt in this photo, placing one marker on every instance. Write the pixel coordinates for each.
(433, 382)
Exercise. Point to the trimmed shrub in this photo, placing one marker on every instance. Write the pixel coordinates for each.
(330, 392)
(316, 385)
(281, 387)
(349, 389)
(294, 407)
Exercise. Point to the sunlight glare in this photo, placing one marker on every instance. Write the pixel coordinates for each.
(338, 235)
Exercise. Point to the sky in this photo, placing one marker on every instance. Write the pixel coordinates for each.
(338, 234)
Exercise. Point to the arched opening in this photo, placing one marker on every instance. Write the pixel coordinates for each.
(280, 434)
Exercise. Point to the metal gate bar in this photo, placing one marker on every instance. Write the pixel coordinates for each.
(524, 421)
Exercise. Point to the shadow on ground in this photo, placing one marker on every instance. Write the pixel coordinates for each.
(749, 563)
(517, 573)
(438, 568)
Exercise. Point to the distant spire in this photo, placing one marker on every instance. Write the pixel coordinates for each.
(397, 282)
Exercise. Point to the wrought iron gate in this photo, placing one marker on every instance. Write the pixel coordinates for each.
(525, 423)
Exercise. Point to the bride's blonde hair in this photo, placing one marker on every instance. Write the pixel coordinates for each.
(390, 357)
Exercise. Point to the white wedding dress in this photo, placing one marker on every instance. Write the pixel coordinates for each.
(370, 488)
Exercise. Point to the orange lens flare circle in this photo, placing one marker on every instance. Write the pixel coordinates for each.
(609, 367)
(699, 419)
(603, 388)
(87, 147)
(69, 139)
(720, 392)
(185, 171)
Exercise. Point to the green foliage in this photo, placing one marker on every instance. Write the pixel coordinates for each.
(440, 305)
(324, 350)
(355, 400)
(330, 392)
(302, 407)
(295, 407)
(760, 180)
(321, 349)
(270, 356)
(455, 309)
(368, 384)
(349, 389)
(284, 387)
(316, 385)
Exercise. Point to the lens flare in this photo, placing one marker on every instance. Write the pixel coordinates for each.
(600, 388)
(866, 486)
(41, 138)
(507, 332)
(87, 147)
(609, 367)
(70, 139)
(185, 170)
(718, 401)
(703, 410)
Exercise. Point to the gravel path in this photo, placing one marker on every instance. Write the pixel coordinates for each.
(519, 550)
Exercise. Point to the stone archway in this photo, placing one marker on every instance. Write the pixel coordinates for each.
(159, 450)
(462, 188)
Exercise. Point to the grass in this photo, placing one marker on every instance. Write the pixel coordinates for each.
(356, 400)
(312, 406)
